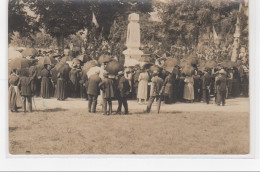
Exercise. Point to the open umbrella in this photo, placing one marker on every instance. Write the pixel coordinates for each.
(193, 59)
(227, 64)
(169, 69)
(104, 59)
(19, 63)
(188, 70)
(171, 62)
(93, 70)
(29, 52)
(145, 59)
(83, 58)
(47, 60)
(114, 67)
(66, 58)
(184, 62)
(12, 53)
(89, 64)
(210, 64)
(154, 68)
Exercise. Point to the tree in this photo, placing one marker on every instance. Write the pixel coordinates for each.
(186, 20)
(19, 20)
(62, 18)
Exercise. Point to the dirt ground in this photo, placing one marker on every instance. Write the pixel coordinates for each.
(65, 127)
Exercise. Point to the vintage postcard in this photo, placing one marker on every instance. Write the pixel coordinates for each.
(159, 77)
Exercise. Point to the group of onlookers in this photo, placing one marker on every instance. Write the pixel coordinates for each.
(136, 82)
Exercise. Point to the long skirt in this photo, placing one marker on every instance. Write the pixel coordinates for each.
(142, 90)
(235, 88)
(60, 89)
(45, 87)
(188, 93)
(14, 98)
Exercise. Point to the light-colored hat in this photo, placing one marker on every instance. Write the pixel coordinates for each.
(105, 73)
(120, 73)
(222, 71)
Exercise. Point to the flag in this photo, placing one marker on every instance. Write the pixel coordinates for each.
(215, 36)
(94, 20)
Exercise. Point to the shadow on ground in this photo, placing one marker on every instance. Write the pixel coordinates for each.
(52, 110)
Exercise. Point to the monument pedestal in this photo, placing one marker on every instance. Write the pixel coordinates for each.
(132, 56)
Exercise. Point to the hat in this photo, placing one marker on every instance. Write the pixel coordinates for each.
(120, 73)
(105, 73)
(155, 72)
(222, 71)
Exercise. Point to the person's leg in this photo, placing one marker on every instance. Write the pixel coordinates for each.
(149, 105)
(124, 99)
(204, 96)
(119, 105)
(207, 96)
(29, 99)
(24, 103)
(223, 97)
(110, 106)
(90, 100)
(94, 104)
(105, 106)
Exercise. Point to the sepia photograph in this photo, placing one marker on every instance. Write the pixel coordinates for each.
(128, 77)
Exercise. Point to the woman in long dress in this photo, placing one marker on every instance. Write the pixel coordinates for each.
(14, 96)
(142, 86)
(60, 87)
(74, 81)
(168, 88)
(46, 82)
(188, 93)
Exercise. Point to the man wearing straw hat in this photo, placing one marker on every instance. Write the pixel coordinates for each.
(221, 85)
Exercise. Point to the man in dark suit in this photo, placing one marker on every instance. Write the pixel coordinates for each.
(93, 91)
(206, 82)
(221, 86)
(123, 89)
(24, 85)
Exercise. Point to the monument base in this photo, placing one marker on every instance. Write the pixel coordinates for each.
(132, 57)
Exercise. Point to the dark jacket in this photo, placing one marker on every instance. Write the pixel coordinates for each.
(25, 86)
(221, 83)
(93, 85)
(206, 81)
(107, 86)
(123, 87)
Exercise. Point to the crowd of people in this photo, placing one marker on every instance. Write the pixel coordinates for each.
(135, 83)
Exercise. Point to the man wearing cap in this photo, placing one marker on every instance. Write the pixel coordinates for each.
(123, 89)
(156, 90)
(107, 87)
(93, 91)
(221, 85)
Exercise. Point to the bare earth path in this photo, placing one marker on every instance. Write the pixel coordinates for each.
(65, 127)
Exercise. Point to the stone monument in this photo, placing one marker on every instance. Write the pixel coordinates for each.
(133, 53)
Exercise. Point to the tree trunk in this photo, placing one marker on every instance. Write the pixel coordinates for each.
(60, 43)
